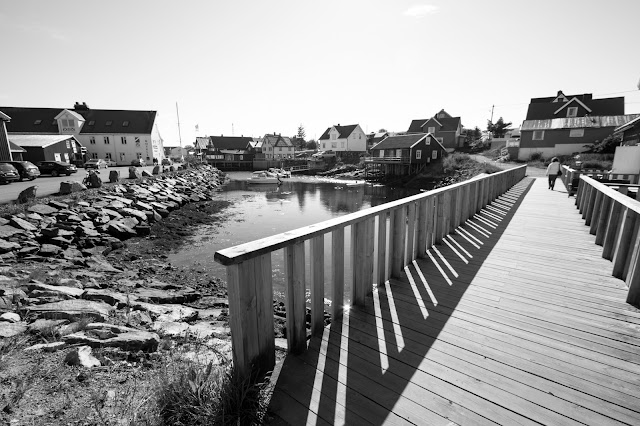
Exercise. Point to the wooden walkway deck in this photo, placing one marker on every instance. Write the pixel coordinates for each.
(514, 320)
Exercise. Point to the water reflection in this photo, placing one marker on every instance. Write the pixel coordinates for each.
(262, 210)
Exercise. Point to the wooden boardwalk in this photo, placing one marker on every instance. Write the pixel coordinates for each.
(514, 319)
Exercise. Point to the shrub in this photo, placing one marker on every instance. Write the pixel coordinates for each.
(189, 394)
(454, 162)
(536, 156)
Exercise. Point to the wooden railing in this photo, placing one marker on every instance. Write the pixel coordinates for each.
(401, 160)
(614, 219)
(415, 224)
(569, 176)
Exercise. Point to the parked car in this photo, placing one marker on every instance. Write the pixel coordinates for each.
(8, 173)
(166, 162)
(56, 168)
(95, 163)
(138, 162)
(26, 169)
(110, 162)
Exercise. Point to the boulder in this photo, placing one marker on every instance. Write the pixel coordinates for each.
(110, 335)
(145, 173)
(43, 325)
(42, 209)
(8, 329)
(156, 170)
(114, 176)
(46, 347)
(134, 173)
(7, 231)
(7, 246)
(70, 187)
(22, 224)
(108, 296)
(151, 295)
(38, 289)
(48, 250)
(94, 180)
(81, 357)
(74, 310)
(27, 194)
(10, 317)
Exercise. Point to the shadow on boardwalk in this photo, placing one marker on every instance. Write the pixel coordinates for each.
(372, 368)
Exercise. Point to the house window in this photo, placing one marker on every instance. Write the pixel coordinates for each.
(125, 124)
(138, 155)
(427, 141)
(92, 140)
(440, 140)
(360, 136)
(94, 155)
(137, 139)
(576, 133)
(572, 112)
(106, 140)
(434, 154)
(108, 123)
(538, 135)
(431, 130)
(441, 115)
(419, 154)
(334, 144)
(37, 122)
(67, 123)
(107, 156)
(342, 144)
(123, 139)
(91, 123)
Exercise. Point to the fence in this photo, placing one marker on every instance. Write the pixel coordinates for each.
(415, 224)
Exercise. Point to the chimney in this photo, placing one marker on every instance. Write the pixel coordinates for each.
(560, 93)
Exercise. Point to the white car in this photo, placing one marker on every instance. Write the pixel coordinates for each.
(110, 162)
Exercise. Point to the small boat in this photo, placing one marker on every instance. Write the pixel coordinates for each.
(281, 173)
(263, 177)
(356, 183)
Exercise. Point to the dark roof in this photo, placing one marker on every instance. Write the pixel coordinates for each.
(230, 142)
(543, 108)
(399, 141)
(449, 124)
(23, 120)
(344, 131)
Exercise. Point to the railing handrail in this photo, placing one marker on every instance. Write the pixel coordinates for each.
(242, 252)
(612, 193)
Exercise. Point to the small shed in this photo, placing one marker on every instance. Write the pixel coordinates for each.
(65, 148)
(406, 154)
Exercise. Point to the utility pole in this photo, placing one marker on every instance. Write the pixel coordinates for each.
(179, 135)
(492, 114)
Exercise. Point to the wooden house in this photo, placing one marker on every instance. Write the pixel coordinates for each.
(406, 154)
(445, 128)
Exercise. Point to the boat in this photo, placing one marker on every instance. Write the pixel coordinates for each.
(263, 177)
(281, 173)
(356, 183)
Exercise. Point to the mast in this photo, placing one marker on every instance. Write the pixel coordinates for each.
(179, 135)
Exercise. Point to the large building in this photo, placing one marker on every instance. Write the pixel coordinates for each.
(445, 128)
(117, 135)
(564, 124)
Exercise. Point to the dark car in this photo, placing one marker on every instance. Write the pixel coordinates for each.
(8, 173)
(26, 169)
(56, 168)
(166, 162)
(138, 162)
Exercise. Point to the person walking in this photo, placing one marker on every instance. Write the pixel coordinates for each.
(553, 171)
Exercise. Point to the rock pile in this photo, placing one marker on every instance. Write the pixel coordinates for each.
(85, 301)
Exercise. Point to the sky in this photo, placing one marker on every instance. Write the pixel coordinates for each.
(243, 67)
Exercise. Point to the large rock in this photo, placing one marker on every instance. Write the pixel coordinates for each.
(74, 310)
(109, 335)
(151, 295)
(82, 357)
(146, 173)
(7, 246)
(108, 296)
(7, 231)
(156, 170)
(22, 224)
(27, 194)
(114, 176)
(134, 173)
(38, 289)
(48, 250)
(69, 187)
(178, 313)
(42, 209)
(8, 329)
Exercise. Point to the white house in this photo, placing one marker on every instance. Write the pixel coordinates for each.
(118, 135)
(277, 147)
(343, 138)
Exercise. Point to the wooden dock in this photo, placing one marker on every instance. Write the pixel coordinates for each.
(513, 319)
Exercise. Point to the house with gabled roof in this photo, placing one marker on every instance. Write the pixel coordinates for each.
(343, 138)
(444, 127)
(406, 154)
(564, 124)
(117, 135)
(277, 147)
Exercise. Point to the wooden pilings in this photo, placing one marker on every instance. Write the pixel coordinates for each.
(390, 236)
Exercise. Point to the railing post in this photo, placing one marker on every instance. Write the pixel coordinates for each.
(295, 297)
(431, 221)
(592, 219)
(337, 282)
(382, 248)
(411, 230)
(362, 235)
(623, 240)
(423, 226)
(398, 236)
(610, 236)
(316, 255)
(250, 294)
(605, 214)
(439, 231)
(633, 277)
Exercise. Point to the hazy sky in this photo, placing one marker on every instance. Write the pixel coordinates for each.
(267, 66)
